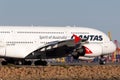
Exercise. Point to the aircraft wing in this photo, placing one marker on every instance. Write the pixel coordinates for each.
(56, 44)
(69, 44)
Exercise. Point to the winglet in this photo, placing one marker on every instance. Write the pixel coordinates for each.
(76, 38)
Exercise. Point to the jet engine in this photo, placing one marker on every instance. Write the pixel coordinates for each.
(78, 52)
(88, 50)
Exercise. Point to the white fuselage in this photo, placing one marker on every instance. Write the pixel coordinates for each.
(18, 42)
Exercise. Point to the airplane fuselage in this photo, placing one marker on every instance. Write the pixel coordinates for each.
(18, 42)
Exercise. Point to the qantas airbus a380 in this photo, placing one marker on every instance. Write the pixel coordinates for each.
(17, 44)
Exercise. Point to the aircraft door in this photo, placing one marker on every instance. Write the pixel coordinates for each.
(2, 49)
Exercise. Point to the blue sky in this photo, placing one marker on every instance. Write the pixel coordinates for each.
(100, 14)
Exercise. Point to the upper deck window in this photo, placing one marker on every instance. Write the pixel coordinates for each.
(31, 32)
(4, 31)
(79, 32)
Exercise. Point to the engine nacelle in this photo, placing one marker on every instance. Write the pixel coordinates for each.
(92, 50)
(88, 50)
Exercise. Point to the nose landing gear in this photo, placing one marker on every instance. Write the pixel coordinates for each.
(102, 60)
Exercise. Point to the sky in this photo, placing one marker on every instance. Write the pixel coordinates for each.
(99, 14)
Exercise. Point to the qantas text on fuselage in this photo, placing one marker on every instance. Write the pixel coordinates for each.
(87, 37)
(91, 37)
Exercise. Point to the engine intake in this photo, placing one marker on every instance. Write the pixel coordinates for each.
(78, 52)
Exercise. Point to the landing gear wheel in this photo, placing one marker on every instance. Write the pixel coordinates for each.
(18, 63)
(28, 63)
(44, 63)
(4, 63)
(39, 62)
(102, 60)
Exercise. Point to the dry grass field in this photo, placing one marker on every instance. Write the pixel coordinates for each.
(97, 72)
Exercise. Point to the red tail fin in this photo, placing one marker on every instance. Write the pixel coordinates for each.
(76, 38)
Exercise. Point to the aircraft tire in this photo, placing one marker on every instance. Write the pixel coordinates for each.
(4, 63)
(28, 63)
(39, 62)
(102, 61)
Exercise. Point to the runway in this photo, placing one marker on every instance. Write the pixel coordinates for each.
(84, 63)
(83, 72)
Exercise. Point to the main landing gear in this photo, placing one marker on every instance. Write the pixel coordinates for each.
(16, 62)
(39, 62)
(24, 62)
